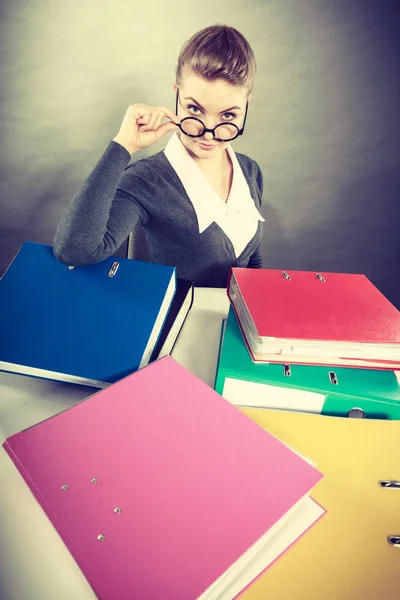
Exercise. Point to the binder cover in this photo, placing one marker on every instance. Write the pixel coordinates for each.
(89, 325)
(327, 390)
(315, 318)
(347, 556)
(180, 307)
(158, 487)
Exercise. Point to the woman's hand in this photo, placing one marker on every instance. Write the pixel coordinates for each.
(143, 126)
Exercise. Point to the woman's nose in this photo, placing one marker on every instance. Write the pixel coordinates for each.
(208, 136)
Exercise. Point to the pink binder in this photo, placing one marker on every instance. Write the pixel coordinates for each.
(158, 486)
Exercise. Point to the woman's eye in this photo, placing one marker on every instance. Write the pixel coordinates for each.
(228, 116)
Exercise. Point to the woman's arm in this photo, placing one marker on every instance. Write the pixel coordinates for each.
(260, 181)
(100, 216)
(255, 261)
(103, 213)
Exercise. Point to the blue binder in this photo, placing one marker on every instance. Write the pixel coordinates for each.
(90, 325)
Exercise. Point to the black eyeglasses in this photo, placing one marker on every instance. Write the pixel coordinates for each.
(224, 132)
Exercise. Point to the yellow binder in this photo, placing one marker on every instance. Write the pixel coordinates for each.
(347, 555)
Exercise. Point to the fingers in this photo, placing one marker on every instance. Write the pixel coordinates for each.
(156, 118)
(164, 129)
(141, 113)
(149, 116)
(159, 120)
(168, 113)
(143, 125)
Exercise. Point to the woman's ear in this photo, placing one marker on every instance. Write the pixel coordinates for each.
(175, 88)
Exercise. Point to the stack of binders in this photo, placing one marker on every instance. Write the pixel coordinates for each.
(157, 485)
(315, 342)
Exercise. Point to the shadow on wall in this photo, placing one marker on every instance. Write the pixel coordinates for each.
(52, 177)
(49, 192)
(354, 233)
(276, 246)
(41, 215)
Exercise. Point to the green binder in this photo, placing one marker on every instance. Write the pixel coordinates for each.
(334, 391)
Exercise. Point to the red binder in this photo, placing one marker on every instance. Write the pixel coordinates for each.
(315, 318)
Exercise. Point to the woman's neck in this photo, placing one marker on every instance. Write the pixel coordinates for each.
(213, 165)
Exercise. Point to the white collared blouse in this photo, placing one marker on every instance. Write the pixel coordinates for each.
(238, 217)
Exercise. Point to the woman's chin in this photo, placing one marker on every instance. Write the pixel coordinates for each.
(200, 150)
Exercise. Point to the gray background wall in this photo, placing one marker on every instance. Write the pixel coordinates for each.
(324, 123)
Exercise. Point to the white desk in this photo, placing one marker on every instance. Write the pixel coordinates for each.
(34, 563)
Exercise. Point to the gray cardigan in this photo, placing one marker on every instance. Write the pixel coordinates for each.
(116, 197)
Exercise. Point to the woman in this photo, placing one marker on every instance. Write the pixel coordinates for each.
(197, 201)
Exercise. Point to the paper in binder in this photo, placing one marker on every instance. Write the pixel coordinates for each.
(315, 318)
(328, 390)
(90, 325)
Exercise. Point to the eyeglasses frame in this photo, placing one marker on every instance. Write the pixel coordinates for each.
(205, 129)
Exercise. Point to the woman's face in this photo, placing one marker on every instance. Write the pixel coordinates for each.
(213, 102)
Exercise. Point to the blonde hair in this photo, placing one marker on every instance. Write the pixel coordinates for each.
(218, 52)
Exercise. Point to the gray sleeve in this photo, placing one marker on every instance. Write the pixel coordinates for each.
(101, 215)
(259, 180)
(255, 261)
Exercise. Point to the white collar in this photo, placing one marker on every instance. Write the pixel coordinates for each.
(205, 200)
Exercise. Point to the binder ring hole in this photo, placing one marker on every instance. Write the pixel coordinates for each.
(113, 269)
(394, 540)
(388, 483)
(117, 510)
(64, 488)
(333, 378)
(101, 537)
(320, 277)
(94, 480)
(286, 370)
(286, 275)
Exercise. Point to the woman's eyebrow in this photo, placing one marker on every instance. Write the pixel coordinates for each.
(222, 111)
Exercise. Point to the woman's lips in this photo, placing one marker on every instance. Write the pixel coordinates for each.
(206, 146)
